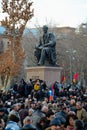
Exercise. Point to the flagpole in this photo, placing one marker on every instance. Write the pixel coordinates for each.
(70, 68)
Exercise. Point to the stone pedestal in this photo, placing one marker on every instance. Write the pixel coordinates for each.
(49, 74)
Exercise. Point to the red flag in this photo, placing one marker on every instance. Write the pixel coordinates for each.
(63, 78)
(75, 77)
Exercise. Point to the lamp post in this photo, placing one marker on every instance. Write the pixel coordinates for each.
(71, 52)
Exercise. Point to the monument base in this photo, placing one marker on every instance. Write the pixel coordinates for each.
(49, 74)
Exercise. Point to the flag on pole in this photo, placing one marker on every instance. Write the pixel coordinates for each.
(75, 77)
(63, 78)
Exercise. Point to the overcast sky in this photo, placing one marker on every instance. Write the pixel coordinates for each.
(59, 12)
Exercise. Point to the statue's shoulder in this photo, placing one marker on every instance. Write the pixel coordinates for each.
(51, 34)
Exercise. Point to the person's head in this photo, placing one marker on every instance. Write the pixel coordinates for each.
(50, 115)
(45, 28)
(30, 111)
(13, 117)
(1, 111)
(62, 120)
(78, 105)
(55, 124)
(27, 120)
(44, 109)
(27, 102)
(39, 105)
(32, 105)
(70, 119)
(72, 102)
(50, 106)
(65, 109)
(15, 107)
(79, 125)
(42, 122)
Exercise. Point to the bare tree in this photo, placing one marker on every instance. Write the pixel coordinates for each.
(18, 13)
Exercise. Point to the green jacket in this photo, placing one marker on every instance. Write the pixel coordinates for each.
(82, 114)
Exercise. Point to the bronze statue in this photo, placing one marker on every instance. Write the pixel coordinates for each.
(45, 50)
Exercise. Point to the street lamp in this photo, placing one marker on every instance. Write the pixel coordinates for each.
(71, 52)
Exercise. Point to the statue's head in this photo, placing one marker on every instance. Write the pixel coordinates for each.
(45, 28)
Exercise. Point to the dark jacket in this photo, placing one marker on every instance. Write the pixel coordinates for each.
(28, 127)
(61, 113)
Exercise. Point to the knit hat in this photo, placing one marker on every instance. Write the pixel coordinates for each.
(55, 122)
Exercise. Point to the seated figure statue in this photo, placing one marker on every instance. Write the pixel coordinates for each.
(46, 48)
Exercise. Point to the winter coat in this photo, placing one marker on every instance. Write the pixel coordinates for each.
(82, 114)
(11, 125)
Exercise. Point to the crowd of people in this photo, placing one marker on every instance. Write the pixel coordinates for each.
(33, 105)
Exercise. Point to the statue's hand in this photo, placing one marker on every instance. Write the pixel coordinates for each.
(45, 45)
(40, 47)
